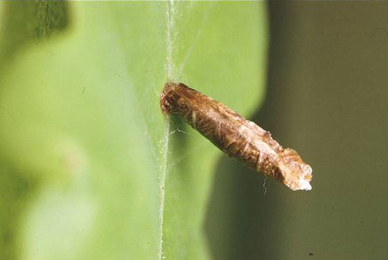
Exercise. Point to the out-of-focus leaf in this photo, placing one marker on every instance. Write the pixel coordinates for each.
(221, 46)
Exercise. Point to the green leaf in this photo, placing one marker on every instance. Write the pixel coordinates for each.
(90, 167)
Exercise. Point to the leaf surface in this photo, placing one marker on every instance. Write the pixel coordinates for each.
(90, 163)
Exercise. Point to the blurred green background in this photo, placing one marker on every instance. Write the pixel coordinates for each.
(88, 165)
(327, 97)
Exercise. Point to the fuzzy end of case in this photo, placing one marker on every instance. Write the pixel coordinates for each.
(296, 173)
